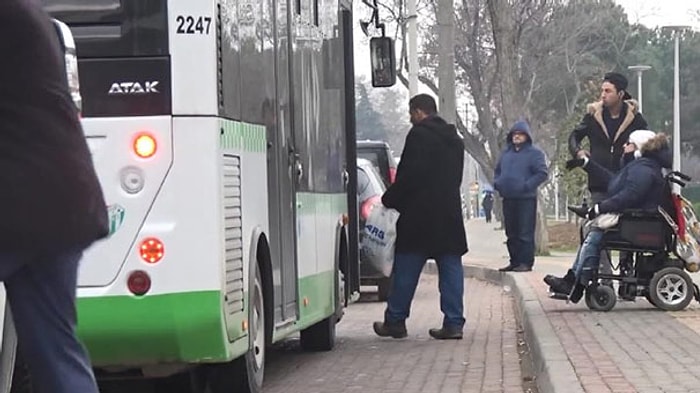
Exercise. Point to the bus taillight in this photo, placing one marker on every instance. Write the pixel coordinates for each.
(145, 146)
(139, 283)
(152, 250)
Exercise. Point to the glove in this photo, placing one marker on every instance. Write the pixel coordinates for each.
(579, 210)
(576, 163)
(593, 212)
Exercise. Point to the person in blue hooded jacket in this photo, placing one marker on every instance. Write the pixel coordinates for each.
(519, 172)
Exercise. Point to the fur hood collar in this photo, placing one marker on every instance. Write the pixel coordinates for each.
(657, 149)
(657, 143)
(596, 110)
(597, 107)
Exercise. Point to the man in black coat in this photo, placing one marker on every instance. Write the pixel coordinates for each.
(427, 195)
(607, 125)
(51, 203)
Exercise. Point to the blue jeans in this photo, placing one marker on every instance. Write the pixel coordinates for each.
(519, 219)
(405, 275)
(41, 291)
(588, 256)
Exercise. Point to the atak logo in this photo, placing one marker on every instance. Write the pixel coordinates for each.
(135, 88)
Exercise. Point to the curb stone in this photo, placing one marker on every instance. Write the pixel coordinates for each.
(554, 372)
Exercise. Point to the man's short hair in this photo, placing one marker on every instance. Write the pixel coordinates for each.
(616, 79)
(424, 102)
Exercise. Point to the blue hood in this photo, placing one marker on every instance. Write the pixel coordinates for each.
(522, 126)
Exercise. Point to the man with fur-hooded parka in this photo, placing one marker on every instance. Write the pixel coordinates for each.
(606, 146)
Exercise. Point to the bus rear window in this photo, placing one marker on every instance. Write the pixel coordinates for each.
(114, 28)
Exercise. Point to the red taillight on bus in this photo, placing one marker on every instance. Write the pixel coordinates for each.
(392, 175)
(139, 283)
(145, 146)
(368, 205)
(152, 250)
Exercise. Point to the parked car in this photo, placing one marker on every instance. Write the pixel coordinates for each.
(370, 188)
(379, 153)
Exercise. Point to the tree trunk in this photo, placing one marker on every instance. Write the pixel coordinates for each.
(505, 43)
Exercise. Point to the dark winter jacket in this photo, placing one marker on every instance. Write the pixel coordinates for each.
(640, 183)
(426, 191)
(487, 202)
(50, 199)
(519, 172)
(605, 150)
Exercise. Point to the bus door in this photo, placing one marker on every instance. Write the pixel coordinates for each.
(284, 177)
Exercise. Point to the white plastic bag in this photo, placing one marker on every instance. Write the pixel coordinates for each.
(378, 239)
(604, 221)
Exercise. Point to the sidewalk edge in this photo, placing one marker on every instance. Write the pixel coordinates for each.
(555, 374)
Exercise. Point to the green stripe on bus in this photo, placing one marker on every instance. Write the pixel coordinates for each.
(319, 289)
(243, 136)
(178, 327)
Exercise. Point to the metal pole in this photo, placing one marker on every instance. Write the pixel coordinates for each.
(412, 48)
(676, 107)
(639, 70)
(556, 194)
(676, 30)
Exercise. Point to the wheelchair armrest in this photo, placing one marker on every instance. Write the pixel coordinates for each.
(640, 213)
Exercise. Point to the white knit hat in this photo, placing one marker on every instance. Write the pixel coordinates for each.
(640, 138)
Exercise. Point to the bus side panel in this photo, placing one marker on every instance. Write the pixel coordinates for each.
(244, 202)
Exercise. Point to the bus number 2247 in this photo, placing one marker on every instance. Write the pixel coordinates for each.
(188, 24)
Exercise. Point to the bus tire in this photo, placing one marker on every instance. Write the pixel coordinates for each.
(320, 336)
(245, 374)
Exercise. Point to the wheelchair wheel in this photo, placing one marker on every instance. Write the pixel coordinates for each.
(600, 298)
(671, 289)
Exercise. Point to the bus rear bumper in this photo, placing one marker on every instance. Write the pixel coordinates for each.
(157, 329)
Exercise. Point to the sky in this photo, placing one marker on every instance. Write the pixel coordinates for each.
(654, 13)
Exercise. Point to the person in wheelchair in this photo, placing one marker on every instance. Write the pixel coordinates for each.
(638, 185)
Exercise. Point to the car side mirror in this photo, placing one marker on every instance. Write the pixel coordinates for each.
(65, 38)
(383, 60)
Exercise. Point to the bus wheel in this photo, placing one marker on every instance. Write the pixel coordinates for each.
(245, 374)
(319, 337)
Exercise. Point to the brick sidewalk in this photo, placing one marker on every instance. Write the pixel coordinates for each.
(486, 360)
(633, 348)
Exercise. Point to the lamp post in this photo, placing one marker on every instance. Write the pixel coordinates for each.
(676, 30)
(639, 70)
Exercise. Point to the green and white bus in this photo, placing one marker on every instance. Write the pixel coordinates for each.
(223, 135)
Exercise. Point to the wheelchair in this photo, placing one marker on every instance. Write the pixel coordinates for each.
(659, 249)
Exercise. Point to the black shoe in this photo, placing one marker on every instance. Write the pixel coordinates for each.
(578, 210)
(446, 333)
(522, 268)
(384, 329)
(508, 268)
(562, 285)
(558, 285)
